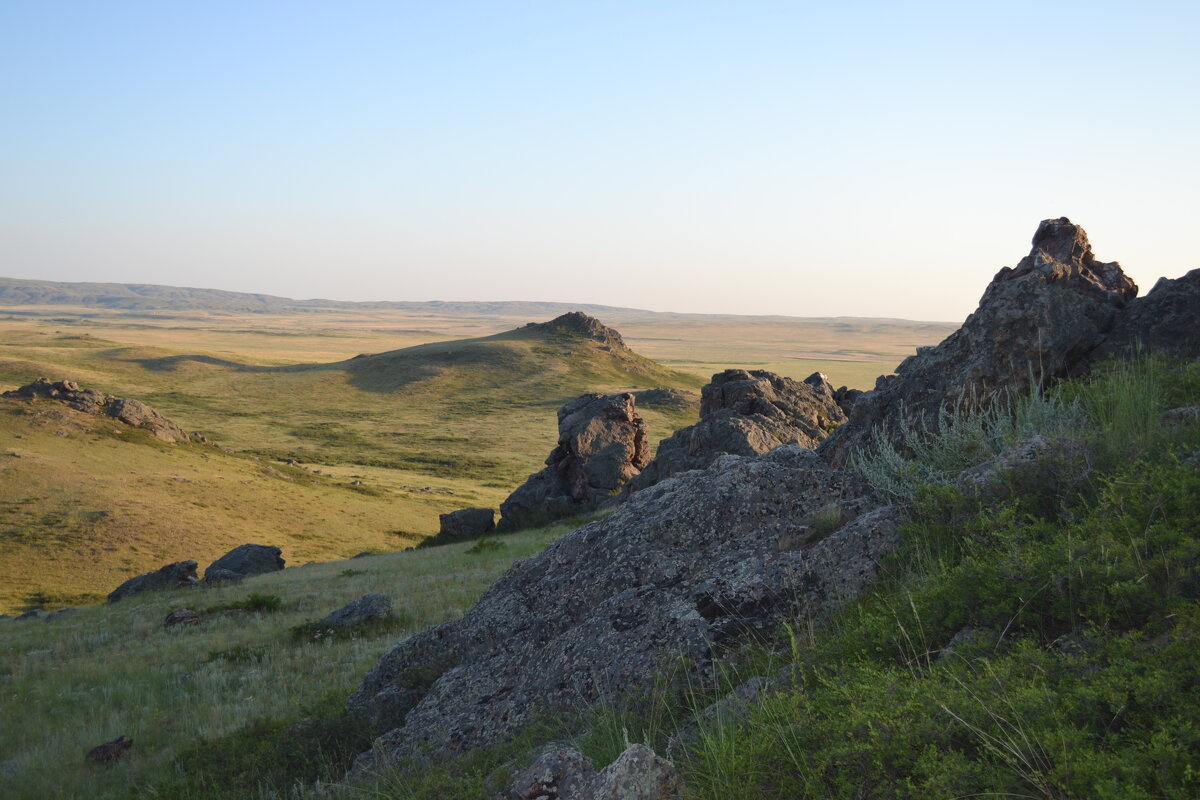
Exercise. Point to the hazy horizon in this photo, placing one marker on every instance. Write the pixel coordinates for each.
(768, 159)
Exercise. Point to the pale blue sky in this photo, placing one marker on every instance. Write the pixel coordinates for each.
(814, 159)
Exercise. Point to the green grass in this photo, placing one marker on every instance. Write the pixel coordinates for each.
(193, 698)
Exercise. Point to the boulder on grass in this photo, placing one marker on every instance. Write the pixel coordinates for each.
(467, 523)
(247, 560)
(364, 609)
(181, 573)
(637, 774)
(557, 775)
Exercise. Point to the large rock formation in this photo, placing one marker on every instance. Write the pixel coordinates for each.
(601, 446)
(680, 568)
(1035, 324)
(90, 401)
(745, 413)
(466, 523)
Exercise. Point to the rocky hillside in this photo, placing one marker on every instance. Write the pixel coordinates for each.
(749, 543)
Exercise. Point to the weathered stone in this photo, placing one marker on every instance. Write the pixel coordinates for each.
(579, 324)
(171, 576)
(1166, 320)
(681, 568)
(601, 446)
(1035, 324)
(364, 609)
(212, 576)
(247, 560)
(181, 616)
(746, 413)
(637, 774)
(557, 775)
(110, 751)
(466, 523)
(90, 401)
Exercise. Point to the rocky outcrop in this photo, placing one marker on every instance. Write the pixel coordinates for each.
(680, 569)
(601, 446)
(579, 325)
(244, 561)
(172, 576)
(1035, 324)
(1167, 320)
(368, 608)
(745, 413)
(466, 523)
(90, 401)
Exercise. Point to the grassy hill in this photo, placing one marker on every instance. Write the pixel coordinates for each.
(386, 442)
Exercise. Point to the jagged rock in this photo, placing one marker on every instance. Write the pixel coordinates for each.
(681, 568)
(1035, 324)
(246, 560)
(53, 615)
(557, 775)
(601, 445)
(90, 401)
(171, 576)
(181, 616)
(576, 323)
(746, 413)
(845, 397)
(466, 523)
(32, 613)
(637, 774)
(364, 609)
(1166, 320)
(110, 751)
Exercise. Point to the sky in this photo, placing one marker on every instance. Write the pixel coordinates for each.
(799, 158)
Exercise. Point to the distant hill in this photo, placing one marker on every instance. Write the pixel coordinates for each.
(149, 297)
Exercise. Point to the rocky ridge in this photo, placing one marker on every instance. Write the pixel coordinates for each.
(704, 558)
(132, 412)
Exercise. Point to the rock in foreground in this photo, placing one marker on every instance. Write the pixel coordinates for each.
(680, 568)
(601, 446)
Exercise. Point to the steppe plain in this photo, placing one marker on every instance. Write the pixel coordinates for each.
(379, 445)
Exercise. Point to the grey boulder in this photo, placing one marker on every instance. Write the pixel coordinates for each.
(696, 561)
(364, 609)
(247, 560)
(171, 576)
(466, 523)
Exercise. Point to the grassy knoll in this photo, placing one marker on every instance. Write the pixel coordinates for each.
(92, 674)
